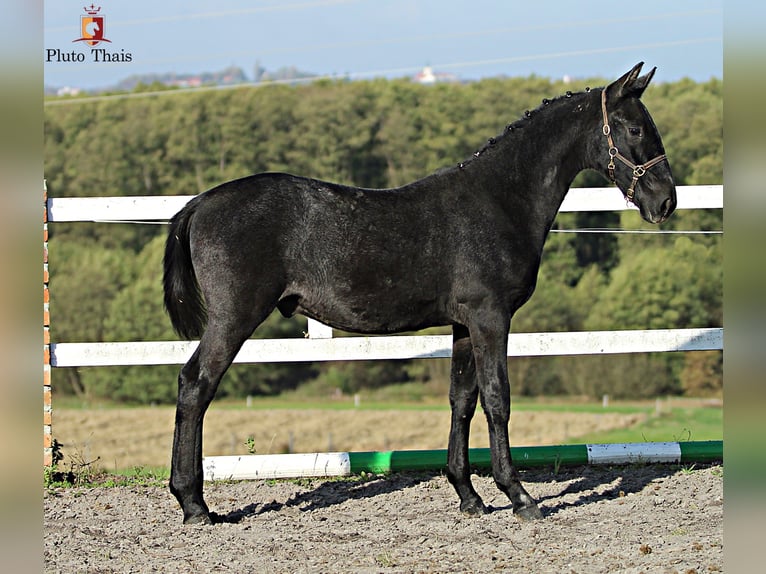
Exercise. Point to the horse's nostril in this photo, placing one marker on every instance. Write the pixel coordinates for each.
(668, 207)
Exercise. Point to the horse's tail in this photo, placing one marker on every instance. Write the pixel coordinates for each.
(183, 299)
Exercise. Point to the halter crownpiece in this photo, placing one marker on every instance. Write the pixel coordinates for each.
(638, 170)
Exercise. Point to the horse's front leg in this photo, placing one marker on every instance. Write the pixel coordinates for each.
(463, 395)
(490, 352)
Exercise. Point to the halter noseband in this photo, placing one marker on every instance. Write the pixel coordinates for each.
(638, 170)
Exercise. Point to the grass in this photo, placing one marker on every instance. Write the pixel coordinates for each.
(398, 401)
(676, 424)
(690, 421)
(88, 476)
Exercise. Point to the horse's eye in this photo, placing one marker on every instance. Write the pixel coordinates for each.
(635, 132)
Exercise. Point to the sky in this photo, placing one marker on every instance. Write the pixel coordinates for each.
(362, 39)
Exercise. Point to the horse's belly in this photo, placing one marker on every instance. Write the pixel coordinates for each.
(386, 310)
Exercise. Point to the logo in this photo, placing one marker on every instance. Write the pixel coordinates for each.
(91, 35)
(92, 27)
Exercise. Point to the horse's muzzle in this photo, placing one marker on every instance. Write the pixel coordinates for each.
(659, 210)
(667, 209)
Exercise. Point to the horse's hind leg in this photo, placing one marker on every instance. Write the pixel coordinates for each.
(490, 353)
(197, 384)
(463, 395)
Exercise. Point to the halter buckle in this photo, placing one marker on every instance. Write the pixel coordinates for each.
(631, 190)
(638, 171)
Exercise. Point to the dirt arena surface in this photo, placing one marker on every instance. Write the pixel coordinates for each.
(639, 518)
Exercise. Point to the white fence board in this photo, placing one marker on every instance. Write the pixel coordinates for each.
(610, 199)
(131, 208)
(389, 347)
(162, 208)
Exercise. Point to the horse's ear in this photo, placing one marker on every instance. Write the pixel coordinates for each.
(631, 84)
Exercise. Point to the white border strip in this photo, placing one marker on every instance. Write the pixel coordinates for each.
(631, 453)
(271, 466)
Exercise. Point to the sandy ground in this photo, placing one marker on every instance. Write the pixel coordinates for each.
(638, 518)
(124, 438)
(653, 518)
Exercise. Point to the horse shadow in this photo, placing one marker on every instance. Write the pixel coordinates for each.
(331, 493)
(579, 486)
(584, 485)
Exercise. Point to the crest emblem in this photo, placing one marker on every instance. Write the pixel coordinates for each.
(92, 27)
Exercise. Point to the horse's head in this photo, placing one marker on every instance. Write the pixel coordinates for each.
(633, 154)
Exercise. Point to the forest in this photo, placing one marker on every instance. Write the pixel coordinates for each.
(105, 278)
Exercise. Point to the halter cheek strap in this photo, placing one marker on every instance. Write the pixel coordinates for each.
(638, 170)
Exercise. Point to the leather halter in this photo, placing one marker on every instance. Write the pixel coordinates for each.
(638, 170)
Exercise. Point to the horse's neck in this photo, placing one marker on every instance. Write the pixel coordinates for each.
(540, 158)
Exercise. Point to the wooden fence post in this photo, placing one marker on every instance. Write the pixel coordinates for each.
(47, 406)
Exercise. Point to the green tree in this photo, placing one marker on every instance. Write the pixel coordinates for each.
(656, 288)
(663, 289)
(85, 279)
(136, 314)
(689, 116)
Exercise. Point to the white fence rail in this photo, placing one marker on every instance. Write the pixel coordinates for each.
(390, 347)
(320, 346)
(159, 208)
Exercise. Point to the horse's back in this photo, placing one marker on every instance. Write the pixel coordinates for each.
(276, 204)
(359, 259)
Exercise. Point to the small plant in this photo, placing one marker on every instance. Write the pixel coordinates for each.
(385, 560)
(84, 471)
(250, 444)
(56, 453)
(304, 482)
(53, 476)
(556, 465)
(685, 470)
(686, 435)
(81, 472)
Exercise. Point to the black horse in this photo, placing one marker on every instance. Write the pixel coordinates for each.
(460, 247)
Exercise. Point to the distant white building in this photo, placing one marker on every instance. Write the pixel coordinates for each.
(67, 91)
(428, 76)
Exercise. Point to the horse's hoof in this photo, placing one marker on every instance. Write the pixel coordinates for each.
(203, 519)
(528, 513)
(474, 508)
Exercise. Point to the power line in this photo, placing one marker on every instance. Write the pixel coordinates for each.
(218, 14)
(640, 231)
